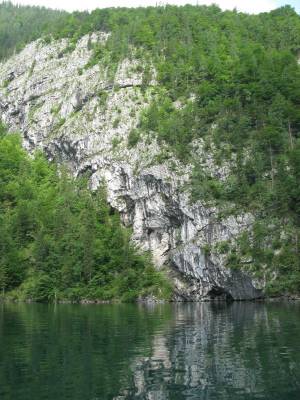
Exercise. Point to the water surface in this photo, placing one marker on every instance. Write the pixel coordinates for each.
(184, 351)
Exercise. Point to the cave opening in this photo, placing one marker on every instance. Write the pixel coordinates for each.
(219, 294)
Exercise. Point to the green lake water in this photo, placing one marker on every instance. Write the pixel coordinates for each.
(174, 351)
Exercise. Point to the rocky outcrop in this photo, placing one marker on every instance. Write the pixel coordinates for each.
(82, 116)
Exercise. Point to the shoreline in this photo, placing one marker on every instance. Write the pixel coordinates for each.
(152, 301)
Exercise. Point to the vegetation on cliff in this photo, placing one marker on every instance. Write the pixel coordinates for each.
(20, 25)
(231, 81)
(60, 241)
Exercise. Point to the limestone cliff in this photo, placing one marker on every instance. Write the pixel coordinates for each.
(82, 116)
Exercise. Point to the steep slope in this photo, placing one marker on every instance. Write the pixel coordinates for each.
(84, 115)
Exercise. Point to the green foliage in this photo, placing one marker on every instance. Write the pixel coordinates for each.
(229, 79)
(102, 95)
(55, 109)
(60, 123)
(206, 187)
(59, 241)
(99, 52)
(116, 142)
(21, 25)
(5, 83)
(133, 138)
(69, 49)
(116, 123)
(271, 251)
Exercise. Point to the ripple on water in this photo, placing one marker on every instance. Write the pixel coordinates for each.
(181, 351)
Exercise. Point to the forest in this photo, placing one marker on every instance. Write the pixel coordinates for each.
(237, 79)
(61, 242)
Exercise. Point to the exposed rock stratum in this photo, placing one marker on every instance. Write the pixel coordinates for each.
(82, 116)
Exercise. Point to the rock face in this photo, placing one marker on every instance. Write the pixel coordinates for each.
(83, 116)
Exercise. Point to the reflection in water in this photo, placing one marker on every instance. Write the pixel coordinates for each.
(184, 351)
(242, 351)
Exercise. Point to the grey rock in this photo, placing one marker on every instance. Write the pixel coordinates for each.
(82, 117)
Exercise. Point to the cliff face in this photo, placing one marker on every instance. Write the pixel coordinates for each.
(82, 116)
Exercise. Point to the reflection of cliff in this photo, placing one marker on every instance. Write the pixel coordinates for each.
(243, 351)
(160, 352)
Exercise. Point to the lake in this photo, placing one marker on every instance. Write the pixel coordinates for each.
(128, 351)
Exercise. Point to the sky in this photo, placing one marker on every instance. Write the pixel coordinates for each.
(249, 6)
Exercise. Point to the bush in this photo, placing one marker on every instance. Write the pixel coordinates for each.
(133, 138)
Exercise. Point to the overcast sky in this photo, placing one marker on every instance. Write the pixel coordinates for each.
(251, 6)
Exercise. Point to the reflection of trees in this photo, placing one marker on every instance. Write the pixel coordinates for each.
(172, 352)
(72, 352)
(219, 352)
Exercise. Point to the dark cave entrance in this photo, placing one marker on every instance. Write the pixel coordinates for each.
(219, 294)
